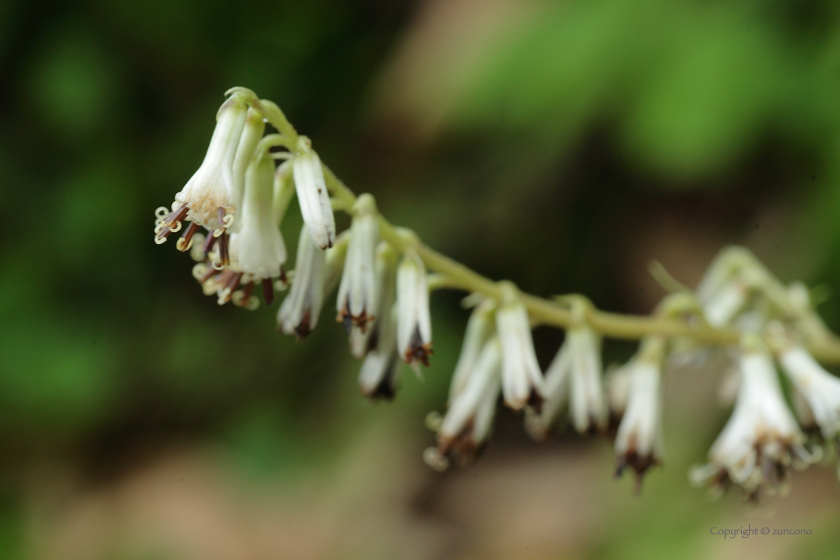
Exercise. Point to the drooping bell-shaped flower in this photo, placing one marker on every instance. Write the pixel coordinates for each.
(379, 375)
(369, 340)
(638, 443)
(819, 389)
(313, 197)
(539, 424)
(209, 198)
(466, 425)
(480, 328)
(761, 440)
(357, 293)
(587, 401)
(522, 380)
(257, 250)
(573, 378)
(414, 328)
(298, 314)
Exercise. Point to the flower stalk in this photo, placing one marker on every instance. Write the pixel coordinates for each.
(387, 273)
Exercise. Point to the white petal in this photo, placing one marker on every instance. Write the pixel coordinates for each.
(313, 197)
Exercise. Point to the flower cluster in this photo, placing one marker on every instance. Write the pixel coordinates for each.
(242, 190)
(240, 196)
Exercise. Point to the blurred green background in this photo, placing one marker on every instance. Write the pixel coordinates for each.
(562, 145)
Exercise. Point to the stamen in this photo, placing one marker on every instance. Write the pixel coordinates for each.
(268, 290)
(208, 275)
(304, 328)
(185, 242)
(165, 226)
(220, 213)
(246, 294)
(162, 231)
(209, 242)
(232, 283)
(417, 351)
(224, 256)
(346, 318)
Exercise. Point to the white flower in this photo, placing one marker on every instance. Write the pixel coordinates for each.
(362, 342)
(414, 328)
(521, 377)
(312, 194)
(257, 249)
(379, 343)
(761, 438)
(618, 389)
(467, 422)
(638, 443)
(251, 136)
(539, 424)
(357, 293)
(209, 197)
(380, 371)
(587, 403)
(479, 329)
(819, 389)
(334, 265)
(299, 313)
(284, 190)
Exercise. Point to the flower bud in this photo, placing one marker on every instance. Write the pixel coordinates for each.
(521, 377)
(312, 194)
(357, 293)
(414, 329)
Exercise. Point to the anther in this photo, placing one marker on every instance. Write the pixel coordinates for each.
(185, 242)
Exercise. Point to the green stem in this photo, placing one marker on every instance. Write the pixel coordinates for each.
(542, 312)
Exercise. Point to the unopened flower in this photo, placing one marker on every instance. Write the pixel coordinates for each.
(313, 197)
(364, 341)
(467, 422)
(480, 327)
(761, 439)
(638, 443)
(357, 293)
(298, 314)
(414, 329)
(522, 381)
(818, 388)
(587, 403)
(209, 197)
(257, 250)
